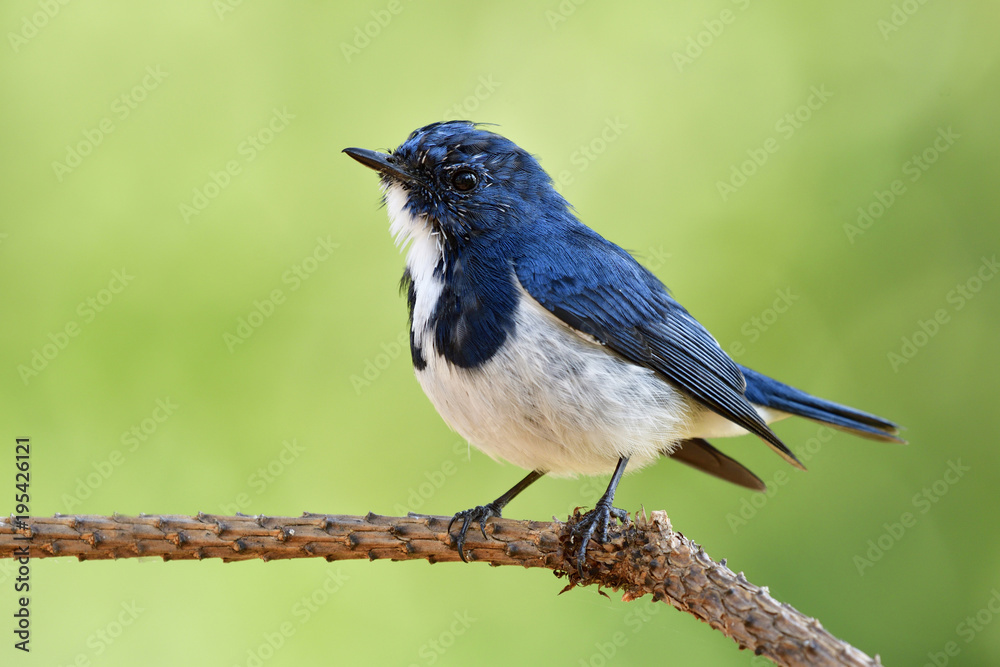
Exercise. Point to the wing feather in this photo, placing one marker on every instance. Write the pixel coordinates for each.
(600, 290)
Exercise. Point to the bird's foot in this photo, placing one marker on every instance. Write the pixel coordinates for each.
(596, 520)
(480, 514)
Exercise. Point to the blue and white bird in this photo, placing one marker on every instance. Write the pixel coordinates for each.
(548, 346)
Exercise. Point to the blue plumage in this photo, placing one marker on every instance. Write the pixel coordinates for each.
(546, 345)
(766, 391)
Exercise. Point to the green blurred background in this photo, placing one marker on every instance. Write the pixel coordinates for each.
(115, 118)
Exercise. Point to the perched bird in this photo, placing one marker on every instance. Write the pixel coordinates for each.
(548, 346)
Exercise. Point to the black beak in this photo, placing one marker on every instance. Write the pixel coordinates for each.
(380, 162)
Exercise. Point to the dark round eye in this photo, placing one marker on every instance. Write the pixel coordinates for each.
(464, 180)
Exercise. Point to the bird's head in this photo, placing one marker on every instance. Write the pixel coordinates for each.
(459, 181)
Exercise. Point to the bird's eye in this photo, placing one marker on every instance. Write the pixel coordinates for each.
(464, 180)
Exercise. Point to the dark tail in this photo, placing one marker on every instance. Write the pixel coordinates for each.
(697, 453)
(768, 392)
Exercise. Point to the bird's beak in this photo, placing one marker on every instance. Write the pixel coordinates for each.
(381, 163)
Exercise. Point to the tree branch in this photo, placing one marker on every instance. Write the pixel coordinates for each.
(647, 557)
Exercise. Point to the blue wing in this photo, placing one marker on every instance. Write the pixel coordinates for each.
(599, 289)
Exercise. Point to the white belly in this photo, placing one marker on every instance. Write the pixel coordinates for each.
(556, 402)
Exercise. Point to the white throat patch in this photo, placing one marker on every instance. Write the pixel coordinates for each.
(424, 252)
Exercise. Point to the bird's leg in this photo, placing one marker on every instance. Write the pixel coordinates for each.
(484, 512)
(598, 518)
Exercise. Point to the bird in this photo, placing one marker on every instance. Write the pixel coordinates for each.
(545, 345)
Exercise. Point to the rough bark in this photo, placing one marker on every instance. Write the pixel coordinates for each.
(646, 558)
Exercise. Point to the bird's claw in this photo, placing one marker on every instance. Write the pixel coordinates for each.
(596, 520)
(480, 513)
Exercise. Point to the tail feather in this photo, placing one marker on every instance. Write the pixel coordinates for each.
(697, 453)
(770, 393)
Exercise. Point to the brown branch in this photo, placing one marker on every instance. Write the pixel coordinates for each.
(647, 557)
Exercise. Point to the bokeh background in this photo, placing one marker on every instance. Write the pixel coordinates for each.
(815, 181)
